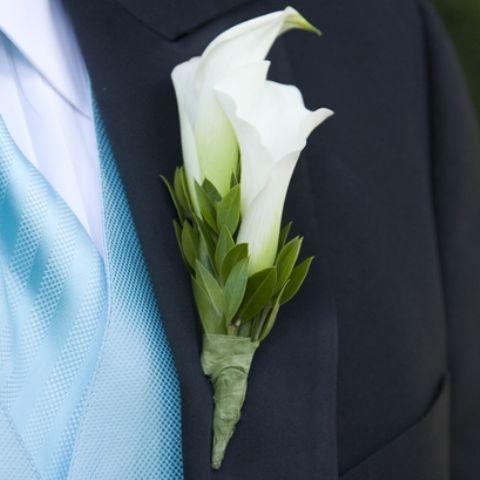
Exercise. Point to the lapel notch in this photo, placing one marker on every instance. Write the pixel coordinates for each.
(175, 18)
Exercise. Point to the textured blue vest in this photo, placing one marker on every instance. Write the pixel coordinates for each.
(88, 388)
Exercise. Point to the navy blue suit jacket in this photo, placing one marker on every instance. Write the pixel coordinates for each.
(373, 372)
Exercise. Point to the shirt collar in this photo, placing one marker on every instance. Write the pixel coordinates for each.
(41, 30)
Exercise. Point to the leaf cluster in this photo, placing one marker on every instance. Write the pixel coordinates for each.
(229, 300)
(268, 289)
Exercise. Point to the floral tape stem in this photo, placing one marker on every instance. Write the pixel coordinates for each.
(226, 360)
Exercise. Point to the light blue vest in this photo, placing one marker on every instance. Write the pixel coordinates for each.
(88, 388)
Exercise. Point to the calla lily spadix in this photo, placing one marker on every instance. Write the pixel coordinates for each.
(210, 149)
(242, 136)
(272, 126)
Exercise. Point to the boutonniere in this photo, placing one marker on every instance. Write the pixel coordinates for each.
(241, 138)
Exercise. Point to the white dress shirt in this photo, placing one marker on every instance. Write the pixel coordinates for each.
(46, 104)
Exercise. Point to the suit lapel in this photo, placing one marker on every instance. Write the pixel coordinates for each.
(287, 430)
(184, 17)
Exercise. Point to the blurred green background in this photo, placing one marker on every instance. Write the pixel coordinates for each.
(462, 18)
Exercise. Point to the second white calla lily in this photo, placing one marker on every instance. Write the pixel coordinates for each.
(210, 148)
(272, 126)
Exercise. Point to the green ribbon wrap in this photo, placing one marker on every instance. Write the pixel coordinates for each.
(226, 360)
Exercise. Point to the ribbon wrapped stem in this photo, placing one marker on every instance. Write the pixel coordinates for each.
(226, 360)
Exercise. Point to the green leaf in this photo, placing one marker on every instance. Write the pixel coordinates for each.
(297, 278)
(186, 189)
(207, 209)
(212, 322)
(224, 244)
(233, 256)
(235, 289)
(204, 255)
(171, 191)
(272, 317)
(211, 191)
(286, 261)
(234, 180)
(284, 235)
(215, 294)
(181, 189)
(190, 242)
(206, 239)
(178, 235)
(228, 210)
(259, 291)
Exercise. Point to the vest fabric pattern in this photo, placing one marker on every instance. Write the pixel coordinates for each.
(88, 387)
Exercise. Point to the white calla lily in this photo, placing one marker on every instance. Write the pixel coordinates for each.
(209, 144)
(272, 126)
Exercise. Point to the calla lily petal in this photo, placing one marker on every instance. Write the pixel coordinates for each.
(209, 131)
(182, 77)
(247, 42)
(240, 94)
(217, 145)
(261, 223)
(272, 126)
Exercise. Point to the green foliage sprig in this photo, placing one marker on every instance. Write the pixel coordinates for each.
(228, 299)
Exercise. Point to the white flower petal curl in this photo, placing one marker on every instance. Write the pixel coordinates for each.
(272, 126)
(245, 43)
(208, 130)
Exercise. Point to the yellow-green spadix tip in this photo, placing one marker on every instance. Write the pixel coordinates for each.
(298, 21)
